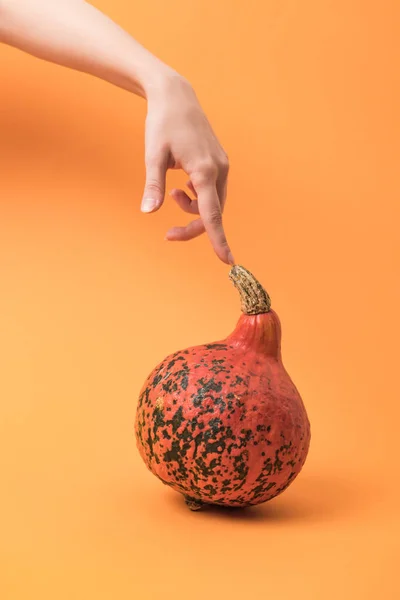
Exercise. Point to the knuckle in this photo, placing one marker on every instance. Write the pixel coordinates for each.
(153, 185)
(224, 165)
(205, 171)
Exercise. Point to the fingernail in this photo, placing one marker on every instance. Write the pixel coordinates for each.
(148, 204)
(231, 260)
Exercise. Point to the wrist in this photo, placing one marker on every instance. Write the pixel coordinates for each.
(163, 81)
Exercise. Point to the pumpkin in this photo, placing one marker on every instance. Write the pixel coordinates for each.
(223, 423)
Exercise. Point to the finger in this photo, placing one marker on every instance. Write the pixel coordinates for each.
(184, 234)
(210, 212)
(185, 202)
(222, 185)
(154, 190)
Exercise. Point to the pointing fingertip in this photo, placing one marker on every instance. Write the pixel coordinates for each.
(231, 260)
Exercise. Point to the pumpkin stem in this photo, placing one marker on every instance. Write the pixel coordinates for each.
(254, 298)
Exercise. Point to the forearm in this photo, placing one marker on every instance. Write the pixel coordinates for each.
(73, 33)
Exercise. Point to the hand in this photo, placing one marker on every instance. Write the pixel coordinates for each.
(179, 136)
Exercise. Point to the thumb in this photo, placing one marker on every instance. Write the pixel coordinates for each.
(154, 190)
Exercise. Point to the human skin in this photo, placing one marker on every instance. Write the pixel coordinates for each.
(73, 33)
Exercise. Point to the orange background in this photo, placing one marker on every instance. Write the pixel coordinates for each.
(305, 98)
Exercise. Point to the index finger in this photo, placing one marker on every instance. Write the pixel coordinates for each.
(211, 215)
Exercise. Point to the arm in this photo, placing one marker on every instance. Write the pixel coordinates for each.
(74, 34)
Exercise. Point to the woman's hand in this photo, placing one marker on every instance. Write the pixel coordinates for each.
(75, 34)
(179, 136)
